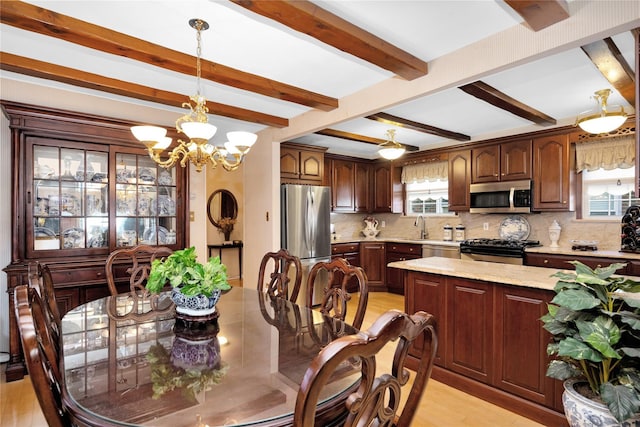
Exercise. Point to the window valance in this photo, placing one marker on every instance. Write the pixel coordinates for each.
(610, 154)
(428, 171)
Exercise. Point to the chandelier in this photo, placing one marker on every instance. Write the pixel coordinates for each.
(391, 149)
(195, 125)
(602, 119)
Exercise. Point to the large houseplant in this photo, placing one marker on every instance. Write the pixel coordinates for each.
(194, 284)
(594, 320)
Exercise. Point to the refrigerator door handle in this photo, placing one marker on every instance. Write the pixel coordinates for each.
(311, 218)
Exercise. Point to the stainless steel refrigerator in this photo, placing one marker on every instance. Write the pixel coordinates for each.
(305, 230)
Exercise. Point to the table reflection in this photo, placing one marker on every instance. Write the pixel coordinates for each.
(242, 368)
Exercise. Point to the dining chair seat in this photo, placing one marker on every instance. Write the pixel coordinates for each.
(377, 399)
(274, 275)
(41, 357)
(336, 296)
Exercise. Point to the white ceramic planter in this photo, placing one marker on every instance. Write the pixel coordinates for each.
(583, 412)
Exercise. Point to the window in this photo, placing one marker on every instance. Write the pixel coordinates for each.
(606, 194)
(427, 197)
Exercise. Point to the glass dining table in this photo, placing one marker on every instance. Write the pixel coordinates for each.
(242, 368)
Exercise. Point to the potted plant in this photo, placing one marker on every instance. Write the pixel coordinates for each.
(196, 287)
(594, 320)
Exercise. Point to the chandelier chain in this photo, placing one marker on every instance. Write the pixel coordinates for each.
(198, 54)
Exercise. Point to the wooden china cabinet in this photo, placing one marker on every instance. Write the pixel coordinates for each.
(82, 186)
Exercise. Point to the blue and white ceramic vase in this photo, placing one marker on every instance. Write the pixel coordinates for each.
(583, 412)
(195, 305)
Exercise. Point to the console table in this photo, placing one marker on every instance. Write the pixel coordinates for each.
(220, 247)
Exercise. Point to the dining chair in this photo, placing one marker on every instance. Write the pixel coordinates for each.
(41, 358)
(277, 282)
(335, 295)
(40, 279)
(377, 400)
(133, 263)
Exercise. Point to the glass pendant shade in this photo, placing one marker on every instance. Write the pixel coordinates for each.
(198, 130)
(163, 143)
(149, 133)
(391, 149)
(601, 119)
(241, 141)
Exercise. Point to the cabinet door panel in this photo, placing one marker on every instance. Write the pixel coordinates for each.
(459, 180)
(343, 186)
(522, 342)
(372, 259)
(289, 164)
(311, 166)
(428, 292)
(362, 187)
(515, 160)
(469, 328)
(551, 174)
(382, 188)
(485, 165)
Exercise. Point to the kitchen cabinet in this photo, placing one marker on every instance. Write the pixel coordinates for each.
(301, 164)
(459, 180)
(428, 292)
(343, 175)
(81, 191)
(469, 330)
(552, 174)
(561, 262)
(501, 162)
(491, 343)
(362, 192)
(399, 252)
(372, 260)
(519, 344)
(350, 252)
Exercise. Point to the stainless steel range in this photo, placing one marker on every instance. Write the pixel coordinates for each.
(505, 251)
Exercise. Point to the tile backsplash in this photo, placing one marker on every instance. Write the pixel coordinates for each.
(397, 226)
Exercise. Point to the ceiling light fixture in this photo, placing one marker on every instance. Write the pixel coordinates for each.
(195, 125)
(391, 149)
(602, 119)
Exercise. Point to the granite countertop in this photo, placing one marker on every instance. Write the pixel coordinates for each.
(518, 275)
(566, 250)
(395, 240)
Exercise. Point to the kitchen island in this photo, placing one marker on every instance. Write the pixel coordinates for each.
(491, 343)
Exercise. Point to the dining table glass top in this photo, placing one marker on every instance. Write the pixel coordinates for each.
(243, 368)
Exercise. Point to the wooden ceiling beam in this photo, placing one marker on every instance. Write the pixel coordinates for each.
(45, 70)
(420, 127)
(493, 96)
(607, 58)
(32, 18)
(306, 17)
(539, 14)
(360, 138)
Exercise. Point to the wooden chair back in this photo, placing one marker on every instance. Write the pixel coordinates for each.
(41, 358)
(137, 261)
(377, 400)
(277, 281)
(41, 280)
(335, 295)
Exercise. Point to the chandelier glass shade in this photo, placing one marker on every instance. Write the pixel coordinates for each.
(603, 118)
(391, 149)
(195, 126)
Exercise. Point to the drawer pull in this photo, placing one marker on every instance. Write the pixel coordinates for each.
(546, 261)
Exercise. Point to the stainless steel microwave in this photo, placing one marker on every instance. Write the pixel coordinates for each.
(501, 197)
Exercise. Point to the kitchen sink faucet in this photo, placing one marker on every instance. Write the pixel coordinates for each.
(423, 229)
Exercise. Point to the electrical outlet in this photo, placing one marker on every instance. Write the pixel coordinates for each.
(485, 226)
(383, 224)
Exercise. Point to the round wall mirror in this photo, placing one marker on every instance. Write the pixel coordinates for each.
(221, 204)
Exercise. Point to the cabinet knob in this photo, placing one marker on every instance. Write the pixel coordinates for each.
(546, 261)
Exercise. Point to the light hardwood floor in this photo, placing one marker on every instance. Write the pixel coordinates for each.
(441, 406)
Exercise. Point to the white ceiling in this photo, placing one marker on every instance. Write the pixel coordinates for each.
(557, 79)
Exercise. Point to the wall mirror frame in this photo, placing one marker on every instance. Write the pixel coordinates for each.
(221, 204)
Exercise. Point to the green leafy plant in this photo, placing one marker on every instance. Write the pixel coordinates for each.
(182, 271)
(594, 320)
(165, 376)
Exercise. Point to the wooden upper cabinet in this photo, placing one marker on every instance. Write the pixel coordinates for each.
(362, 193)
(552, 174)
(502, 162)
(382, 187)
(343, 185)
(459, 180)
(301, 164)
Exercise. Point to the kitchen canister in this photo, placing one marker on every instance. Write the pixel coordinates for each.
(448, 233)
(460, 232)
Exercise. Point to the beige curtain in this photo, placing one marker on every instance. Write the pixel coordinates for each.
(610, 154)
(428, 171)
